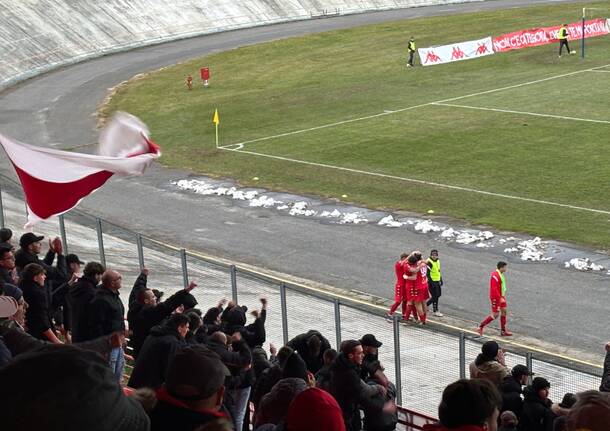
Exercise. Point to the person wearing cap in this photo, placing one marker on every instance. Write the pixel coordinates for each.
(62, 387)
(350, 391)
(537, 413)
(61, 304)
(371, 367)
(512, 389)
(80, 295)
(497, 297)
(605, 384)
(160, 346)
(468, 405)
(311, 346)
(193, 392)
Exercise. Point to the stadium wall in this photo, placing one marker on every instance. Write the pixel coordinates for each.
(41, 35)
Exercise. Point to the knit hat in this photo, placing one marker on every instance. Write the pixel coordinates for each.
(314, 409)
(568, 401)
(61, 387)
(295, 366)
(274, 405)
(8, 306)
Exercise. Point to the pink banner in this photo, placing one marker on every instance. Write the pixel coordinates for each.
(546, 35)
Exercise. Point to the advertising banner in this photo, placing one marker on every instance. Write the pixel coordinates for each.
(545, 35)
(455, 52)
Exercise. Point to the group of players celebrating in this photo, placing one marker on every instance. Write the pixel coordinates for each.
(419, 282)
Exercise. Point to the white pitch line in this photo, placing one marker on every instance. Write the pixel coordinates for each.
(428, 183)
(534, 114)
(387, 112)
(602, 71)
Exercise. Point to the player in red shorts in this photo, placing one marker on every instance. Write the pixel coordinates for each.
(421, 287)
(399, 287)
(497, 296)
(411, 270)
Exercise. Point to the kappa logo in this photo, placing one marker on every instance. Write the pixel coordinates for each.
(482, 49)
(431, 57)
(457, 53)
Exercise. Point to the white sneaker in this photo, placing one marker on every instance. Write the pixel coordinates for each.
(573, 52)
(438, 314)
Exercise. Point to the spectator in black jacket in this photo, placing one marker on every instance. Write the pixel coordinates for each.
(537, 413)
(311, 346)
(512, 389)
(145, 313)
(234, 320)
(271, 375)
(350, 391)
(61, 303)
(106, 315)
(238, 362)
(605, 385)
(80, 295)
(157, 352)
(323, 376)
(37, 315)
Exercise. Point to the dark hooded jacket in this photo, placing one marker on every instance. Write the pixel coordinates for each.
(511, 395)
(105, 313)
(79, 296)
(350, 391)
(236, 361)
(157, 352)
(37, 315)
(537, 414)
(299, 344)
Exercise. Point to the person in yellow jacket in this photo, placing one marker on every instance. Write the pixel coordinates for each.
(411, 49)
(563, 39)
(435, 281)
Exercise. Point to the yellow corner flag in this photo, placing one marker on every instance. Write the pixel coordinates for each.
(216, 121)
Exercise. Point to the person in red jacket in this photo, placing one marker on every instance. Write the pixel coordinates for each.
(399, 287)
(421, 287)
(497, 296)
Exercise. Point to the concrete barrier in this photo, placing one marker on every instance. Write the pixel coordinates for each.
(38, 36)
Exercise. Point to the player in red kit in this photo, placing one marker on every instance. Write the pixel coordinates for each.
(411, 271)
(421, 287)
(497, 297)
(399, 287)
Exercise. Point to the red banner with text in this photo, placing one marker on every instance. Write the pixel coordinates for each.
(546, 35)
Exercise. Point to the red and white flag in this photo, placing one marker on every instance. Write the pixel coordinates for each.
(55, 181)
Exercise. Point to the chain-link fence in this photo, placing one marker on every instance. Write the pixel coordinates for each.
(421, 361)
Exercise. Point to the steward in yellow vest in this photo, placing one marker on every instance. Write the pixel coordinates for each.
(435, 281)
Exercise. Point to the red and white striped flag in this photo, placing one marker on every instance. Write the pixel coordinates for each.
(55, 181)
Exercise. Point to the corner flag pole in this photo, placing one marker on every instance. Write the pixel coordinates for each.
(216, 121)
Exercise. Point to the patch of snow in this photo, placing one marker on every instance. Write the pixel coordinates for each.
(425, 226)
(585, 264)
(483, 245)
(265, 202)
(333, 214)
(352, 218)
(531, 249)
(448, 233)
(390, 222)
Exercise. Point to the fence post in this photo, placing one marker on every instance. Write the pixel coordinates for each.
(185, 273)
(284, 312)
(62, 231)
(529, 361)
(140, 250)
(1, 210)
(100, 241)
(234, 284)
(397, 372)
(338, 322)
(462, 355)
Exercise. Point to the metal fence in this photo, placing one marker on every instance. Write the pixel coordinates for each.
(421, 361)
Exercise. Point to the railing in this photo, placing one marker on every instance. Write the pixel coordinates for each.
(421, 361)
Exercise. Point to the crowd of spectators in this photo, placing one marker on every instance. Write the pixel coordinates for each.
(64, 341)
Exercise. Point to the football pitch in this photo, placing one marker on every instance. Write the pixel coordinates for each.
(517, 140)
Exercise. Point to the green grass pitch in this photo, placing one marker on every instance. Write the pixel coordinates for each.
(537, 139)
